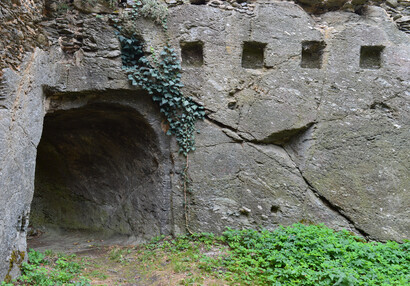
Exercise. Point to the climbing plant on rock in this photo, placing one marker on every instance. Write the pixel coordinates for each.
(161, 78)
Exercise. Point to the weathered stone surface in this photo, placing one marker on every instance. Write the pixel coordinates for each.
(250, 185)
(96, 6)
(20, 129)
(288, 105)
(361, 165)
(313, 133)
(18, 33)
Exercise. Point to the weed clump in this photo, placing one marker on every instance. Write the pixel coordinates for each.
(312, 255)
(295, 255)
(50, 269)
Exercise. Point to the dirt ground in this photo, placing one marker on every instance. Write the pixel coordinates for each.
(117, 260)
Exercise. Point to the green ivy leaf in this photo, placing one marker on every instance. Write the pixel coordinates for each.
(163, 83)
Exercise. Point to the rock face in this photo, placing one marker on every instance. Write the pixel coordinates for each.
(308, 119)
(330, 121)
(19, 31)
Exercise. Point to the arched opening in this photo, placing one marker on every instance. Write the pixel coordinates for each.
(99, 169)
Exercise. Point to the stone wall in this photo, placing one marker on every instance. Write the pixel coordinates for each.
(308, 119)
(303, 136)
(20, 31)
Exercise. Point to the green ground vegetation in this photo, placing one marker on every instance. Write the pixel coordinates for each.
(50, 269)
(294, 255)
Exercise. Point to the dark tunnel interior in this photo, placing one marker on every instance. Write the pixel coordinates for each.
(98, 169)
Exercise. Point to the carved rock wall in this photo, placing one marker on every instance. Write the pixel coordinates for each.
(306, 141)
(308, 119)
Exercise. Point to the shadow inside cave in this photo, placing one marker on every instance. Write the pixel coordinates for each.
(98, 175)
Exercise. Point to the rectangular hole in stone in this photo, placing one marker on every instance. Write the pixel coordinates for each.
(312, 52)
(253, 55)
(370, 57)
(197, 2)
(192, 54)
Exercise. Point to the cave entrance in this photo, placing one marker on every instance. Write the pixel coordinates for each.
(100, 169)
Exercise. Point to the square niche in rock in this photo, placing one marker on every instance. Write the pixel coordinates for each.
(192, 54)
(312, 53)
(370, 57)
(197, 2)
(253, 55)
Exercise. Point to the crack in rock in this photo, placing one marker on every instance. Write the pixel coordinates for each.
(327, 202)
(232, 133)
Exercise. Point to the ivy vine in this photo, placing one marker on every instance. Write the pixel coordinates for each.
(160, 75)
(161, 78)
